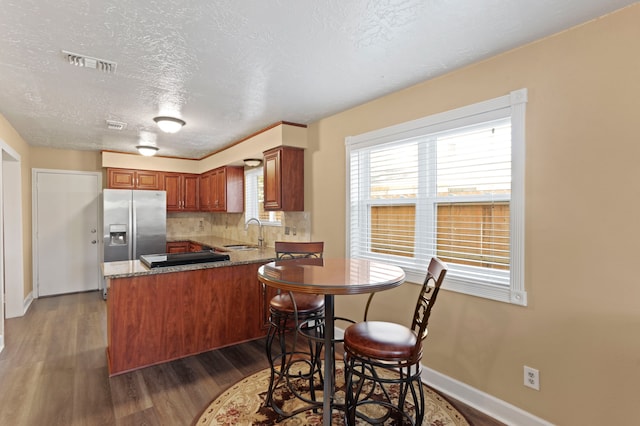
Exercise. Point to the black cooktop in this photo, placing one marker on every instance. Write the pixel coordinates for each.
(174, 259)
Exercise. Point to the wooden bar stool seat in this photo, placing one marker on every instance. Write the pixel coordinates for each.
(383, 340)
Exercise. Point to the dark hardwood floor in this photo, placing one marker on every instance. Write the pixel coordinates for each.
(53, 371)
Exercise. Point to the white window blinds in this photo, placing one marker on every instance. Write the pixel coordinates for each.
(443, 186)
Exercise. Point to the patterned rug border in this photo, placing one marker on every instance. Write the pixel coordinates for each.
(442, 401)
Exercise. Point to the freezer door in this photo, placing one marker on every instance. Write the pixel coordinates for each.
(117, 224)
(149, 217)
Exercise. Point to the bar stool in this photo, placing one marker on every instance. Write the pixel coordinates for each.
(372, 346)
(282, 320)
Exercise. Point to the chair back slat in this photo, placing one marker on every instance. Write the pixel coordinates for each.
(427, 298)
(293, 250)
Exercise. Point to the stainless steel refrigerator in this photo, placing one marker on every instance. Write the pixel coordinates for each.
(135, 223)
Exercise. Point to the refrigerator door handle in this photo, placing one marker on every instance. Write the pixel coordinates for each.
(132, 230)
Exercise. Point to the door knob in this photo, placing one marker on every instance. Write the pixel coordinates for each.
(93, 231)
(93, 242)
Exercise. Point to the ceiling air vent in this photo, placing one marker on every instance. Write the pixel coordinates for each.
(89, 62)
(116, 125)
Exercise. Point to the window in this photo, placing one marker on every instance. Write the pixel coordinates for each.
(449, 185)
(254, 198)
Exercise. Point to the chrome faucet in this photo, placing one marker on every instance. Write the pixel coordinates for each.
(260, 238)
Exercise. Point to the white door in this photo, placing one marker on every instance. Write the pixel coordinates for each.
(66, 224)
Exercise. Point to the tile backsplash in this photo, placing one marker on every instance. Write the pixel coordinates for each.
(231, 226)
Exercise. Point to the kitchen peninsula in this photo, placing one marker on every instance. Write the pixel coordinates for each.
(155, 315)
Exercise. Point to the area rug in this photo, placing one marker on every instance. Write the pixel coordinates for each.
(243, 404)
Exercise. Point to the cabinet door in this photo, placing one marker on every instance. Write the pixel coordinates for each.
(284, 179)
(272, 189)
(219, 190)
(205, 191)
(177, 246)
(222, 190)
(191, 192)
(121, 179)
(146, 179)
(234, 189)
(193, 247)
(174, 193)
(133, 179)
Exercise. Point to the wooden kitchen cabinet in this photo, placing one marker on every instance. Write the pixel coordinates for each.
(222, 190)
(183, 247)
(191, 312)
(133, 179)
(178, 246)
(194, 247)
(284, 179)
(182, 191)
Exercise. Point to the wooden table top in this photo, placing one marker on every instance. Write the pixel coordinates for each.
(331, 275)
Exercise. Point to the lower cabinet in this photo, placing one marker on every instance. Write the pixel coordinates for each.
(183, 247)
(157, 318)
(178, 247)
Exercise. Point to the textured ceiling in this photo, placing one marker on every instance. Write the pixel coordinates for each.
(230, 68)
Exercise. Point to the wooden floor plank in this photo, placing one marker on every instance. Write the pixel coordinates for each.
(53, 371)
(92, 402)
(52, 401)
(129, 394)
(19, 385)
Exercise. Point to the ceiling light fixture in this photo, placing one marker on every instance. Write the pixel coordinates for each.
(147, 150)
(252, 162)
(169, 124)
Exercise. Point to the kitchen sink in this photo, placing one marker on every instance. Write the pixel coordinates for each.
(241, 247)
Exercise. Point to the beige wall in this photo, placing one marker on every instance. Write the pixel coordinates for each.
(582, 326)
(9, 135)
(48, 158)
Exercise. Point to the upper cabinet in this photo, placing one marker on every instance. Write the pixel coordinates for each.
(133, 179)
(182, 191)
(284, 179)
(222, 190)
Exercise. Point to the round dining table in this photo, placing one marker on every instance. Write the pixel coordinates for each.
(330, 277)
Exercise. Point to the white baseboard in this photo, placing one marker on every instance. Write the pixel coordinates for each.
(490, 405)
(27, 302)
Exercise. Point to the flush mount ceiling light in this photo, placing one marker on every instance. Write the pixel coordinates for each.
(147, 150)
(252, 162)
(169, 124)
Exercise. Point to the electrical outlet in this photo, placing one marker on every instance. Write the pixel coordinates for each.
(531, 378)
(287, 230)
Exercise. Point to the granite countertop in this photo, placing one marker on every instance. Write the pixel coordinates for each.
(132, 268)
